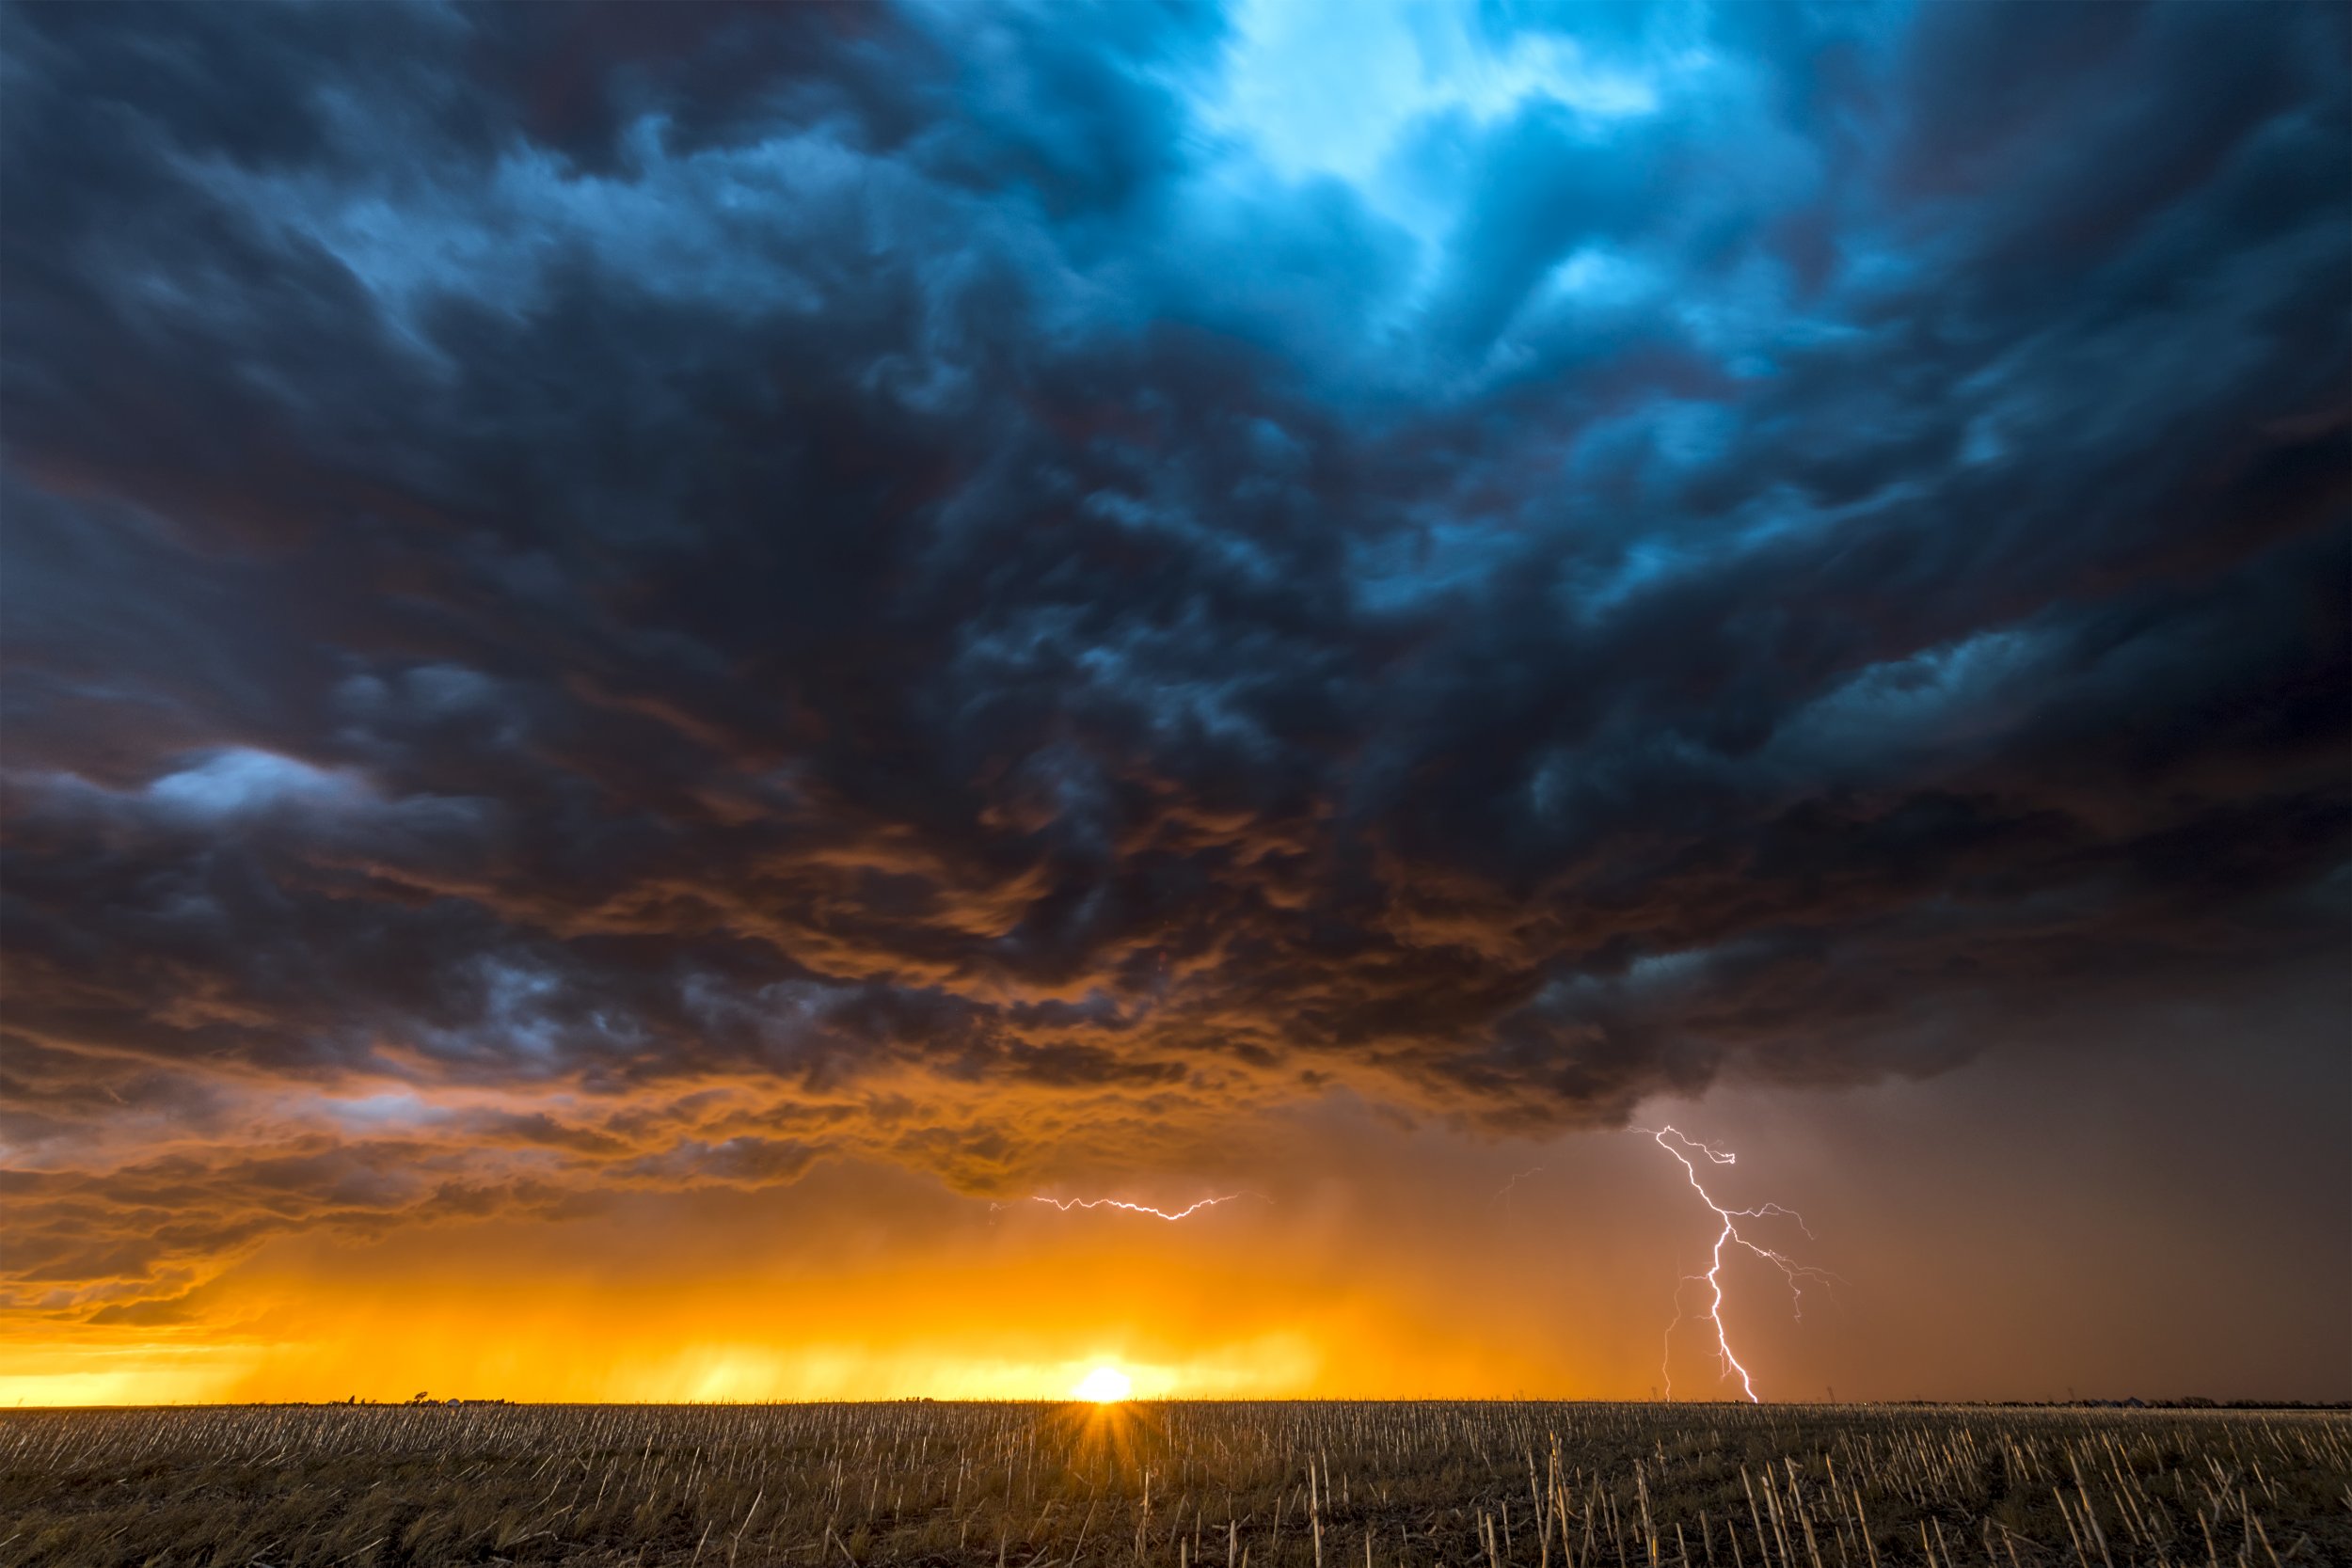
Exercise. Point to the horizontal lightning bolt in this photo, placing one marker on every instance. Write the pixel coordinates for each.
(1065, 1204)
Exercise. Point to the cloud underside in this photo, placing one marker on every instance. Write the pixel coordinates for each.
(595, 605)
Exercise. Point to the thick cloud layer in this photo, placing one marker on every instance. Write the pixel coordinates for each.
(633, 597)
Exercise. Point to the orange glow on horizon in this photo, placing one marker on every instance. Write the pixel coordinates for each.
(725, 1343)
(1028, 1304)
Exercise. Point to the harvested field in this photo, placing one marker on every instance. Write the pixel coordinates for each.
(1266, 1486)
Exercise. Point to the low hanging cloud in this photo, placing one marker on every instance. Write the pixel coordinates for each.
(659, 600)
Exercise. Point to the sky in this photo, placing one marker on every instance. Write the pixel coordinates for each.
(662, 662)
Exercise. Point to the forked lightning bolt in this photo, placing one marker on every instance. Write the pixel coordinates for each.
(1503, 1193)
(1794, 1272)
(1065, 1204)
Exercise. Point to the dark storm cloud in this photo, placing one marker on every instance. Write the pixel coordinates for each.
(620, 547)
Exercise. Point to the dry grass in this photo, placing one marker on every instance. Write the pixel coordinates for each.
(1284, 1485)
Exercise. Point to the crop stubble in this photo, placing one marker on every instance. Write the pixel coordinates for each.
(1190, 1485)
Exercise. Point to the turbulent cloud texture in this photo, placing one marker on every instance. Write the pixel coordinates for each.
(633, 597)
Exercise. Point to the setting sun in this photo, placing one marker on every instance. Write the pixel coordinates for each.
(1104, 1386)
